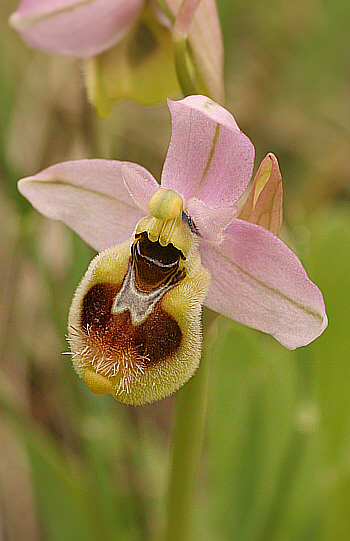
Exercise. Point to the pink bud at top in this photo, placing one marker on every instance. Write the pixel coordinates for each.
(75, 27)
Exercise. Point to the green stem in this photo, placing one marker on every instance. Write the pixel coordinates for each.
(187, 445)
(181, 64)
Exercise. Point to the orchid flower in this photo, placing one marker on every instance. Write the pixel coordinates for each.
(134, 324)
(127, 45)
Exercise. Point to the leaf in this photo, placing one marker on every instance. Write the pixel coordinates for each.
(251, 422)
(61, 493)
(330, 256)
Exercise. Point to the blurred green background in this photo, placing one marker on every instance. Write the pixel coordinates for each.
(276, 457)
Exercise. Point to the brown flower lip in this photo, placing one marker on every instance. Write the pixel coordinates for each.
(129, 316)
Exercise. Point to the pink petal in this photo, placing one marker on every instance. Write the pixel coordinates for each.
(184, 18)
(140, 183)
(209, 158)
(258, 281)
(210, 222)
(75, 27)
(87, 195)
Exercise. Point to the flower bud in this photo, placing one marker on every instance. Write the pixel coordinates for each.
(263, 205)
